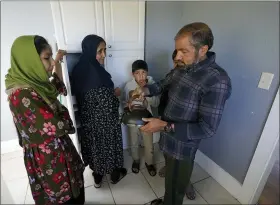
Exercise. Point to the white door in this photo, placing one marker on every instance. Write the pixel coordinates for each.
(73, 20)
(124, 24)
(69, 103)
(118, 64)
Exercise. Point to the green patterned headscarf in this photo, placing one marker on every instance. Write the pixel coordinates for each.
(27, 70)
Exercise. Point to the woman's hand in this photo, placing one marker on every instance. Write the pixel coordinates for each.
(118, 91)
(59, 55)
(57, 66)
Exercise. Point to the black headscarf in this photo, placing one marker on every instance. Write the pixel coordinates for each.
(88, 73)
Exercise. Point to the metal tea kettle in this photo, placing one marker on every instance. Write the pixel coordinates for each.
(133, 115)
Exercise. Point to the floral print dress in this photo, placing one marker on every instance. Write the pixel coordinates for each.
(54, 168)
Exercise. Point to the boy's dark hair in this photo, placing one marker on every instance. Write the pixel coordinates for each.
(174, 54)
(139, 64)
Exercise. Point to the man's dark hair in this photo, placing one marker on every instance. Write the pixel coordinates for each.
(139, 64)
(40, 44)
(200, 33)
(174, 54)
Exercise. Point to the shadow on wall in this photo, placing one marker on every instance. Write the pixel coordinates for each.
(162, 58)
(246, 112)
(163, 20)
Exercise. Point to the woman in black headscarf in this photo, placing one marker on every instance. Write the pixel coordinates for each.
(98, 109)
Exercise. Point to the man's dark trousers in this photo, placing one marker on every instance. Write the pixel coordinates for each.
(177, 178)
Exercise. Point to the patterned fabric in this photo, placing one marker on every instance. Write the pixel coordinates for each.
(101, 142)
(163, 102)
(197, 96)
(58, 84)
(54, 168)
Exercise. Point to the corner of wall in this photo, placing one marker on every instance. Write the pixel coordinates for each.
(10, 146)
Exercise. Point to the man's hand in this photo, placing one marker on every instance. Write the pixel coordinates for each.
(153, 125)
(145, 91)
(118, 92)
(141, 91)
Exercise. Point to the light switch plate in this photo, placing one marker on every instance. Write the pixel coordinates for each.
(266, 80)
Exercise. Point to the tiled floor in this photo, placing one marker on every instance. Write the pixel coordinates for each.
(133, 189)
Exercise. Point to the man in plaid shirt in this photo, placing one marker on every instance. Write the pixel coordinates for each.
(198, 90)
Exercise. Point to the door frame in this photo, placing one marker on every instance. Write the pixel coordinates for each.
(263, 159)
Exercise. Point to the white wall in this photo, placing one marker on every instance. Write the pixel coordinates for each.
(20, 18)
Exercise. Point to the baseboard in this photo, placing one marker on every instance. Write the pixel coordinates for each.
(221, 176)
(10, 146)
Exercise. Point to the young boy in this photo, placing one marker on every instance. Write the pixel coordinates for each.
(140, 79)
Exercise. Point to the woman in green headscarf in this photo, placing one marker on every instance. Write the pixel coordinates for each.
(54, 167)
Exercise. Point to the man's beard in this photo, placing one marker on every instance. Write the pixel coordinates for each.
(185, 66)
(182, 65)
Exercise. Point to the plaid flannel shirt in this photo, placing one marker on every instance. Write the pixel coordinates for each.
(196, 100)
